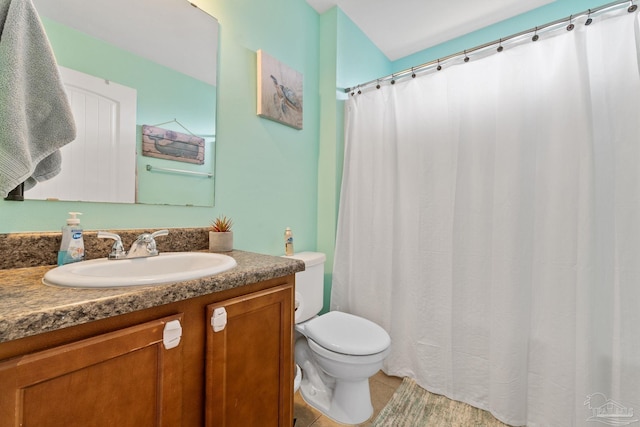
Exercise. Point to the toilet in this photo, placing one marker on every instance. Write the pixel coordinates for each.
(336, 352)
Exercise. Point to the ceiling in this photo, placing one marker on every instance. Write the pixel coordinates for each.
(403, 27)
(160, 35)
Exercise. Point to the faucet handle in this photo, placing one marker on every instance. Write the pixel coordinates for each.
(159, 233)
(152, 244)
(117, 250)
(148, 241)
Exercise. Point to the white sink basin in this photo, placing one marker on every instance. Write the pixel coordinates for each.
(164, 268)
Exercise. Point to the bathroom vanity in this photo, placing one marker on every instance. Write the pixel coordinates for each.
(150, 356)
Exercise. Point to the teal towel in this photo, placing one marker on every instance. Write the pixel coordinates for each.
(35, 117)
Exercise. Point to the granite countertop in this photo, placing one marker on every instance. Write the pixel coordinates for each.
(27, 307)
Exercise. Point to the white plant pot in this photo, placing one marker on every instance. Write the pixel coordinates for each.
(220, 242)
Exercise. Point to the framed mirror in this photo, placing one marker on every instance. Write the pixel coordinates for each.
(141, 76)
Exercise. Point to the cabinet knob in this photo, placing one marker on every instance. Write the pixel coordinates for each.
(219, 319)
(172, 334)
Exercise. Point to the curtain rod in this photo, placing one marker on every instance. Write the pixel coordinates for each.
(411, 71)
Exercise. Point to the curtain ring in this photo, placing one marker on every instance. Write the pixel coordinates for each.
(413, 74)
(535, 35)
(439, 67)
(466, 58)
(377, 84)
(570, 26)
(359, 91)
(393, 79)
(632, 8)
(500, 48)
(589, 20)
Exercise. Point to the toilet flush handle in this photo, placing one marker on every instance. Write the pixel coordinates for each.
(219, 319)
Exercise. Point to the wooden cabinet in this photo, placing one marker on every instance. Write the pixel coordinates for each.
(250, 362)
(124, 378)
(117, 371)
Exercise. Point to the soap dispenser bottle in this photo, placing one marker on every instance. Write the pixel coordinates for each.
(72, 246)
(288, 242)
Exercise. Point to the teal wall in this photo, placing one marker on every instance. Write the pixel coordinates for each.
(266, 173)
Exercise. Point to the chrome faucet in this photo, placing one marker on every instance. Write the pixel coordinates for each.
(117, 250)
(144, 245)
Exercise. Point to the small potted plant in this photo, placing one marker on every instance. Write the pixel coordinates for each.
(220, 235)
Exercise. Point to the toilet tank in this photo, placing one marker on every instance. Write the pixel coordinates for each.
(309, 285)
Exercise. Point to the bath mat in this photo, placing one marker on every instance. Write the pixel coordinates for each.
(413, 406)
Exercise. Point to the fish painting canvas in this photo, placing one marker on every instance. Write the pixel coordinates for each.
(279, 91)
(171, 145)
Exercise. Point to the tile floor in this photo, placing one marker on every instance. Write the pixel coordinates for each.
(382, 388)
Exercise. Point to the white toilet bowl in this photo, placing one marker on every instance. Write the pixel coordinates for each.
(338, 353)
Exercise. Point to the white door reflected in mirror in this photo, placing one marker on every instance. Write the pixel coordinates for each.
(99, 165)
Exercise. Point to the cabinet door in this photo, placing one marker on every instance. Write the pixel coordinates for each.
(124, 378)
(249, 373)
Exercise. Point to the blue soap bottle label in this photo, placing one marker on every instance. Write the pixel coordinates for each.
(72, 245)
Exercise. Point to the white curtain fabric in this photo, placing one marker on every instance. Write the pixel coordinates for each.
(490, 222)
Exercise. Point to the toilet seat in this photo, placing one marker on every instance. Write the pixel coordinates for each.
(347, 359)
(347, 334)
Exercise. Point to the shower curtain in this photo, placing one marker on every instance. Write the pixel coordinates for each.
(490, 221)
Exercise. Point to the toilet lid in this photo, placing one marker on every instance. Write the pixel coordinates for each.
(347, 334)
